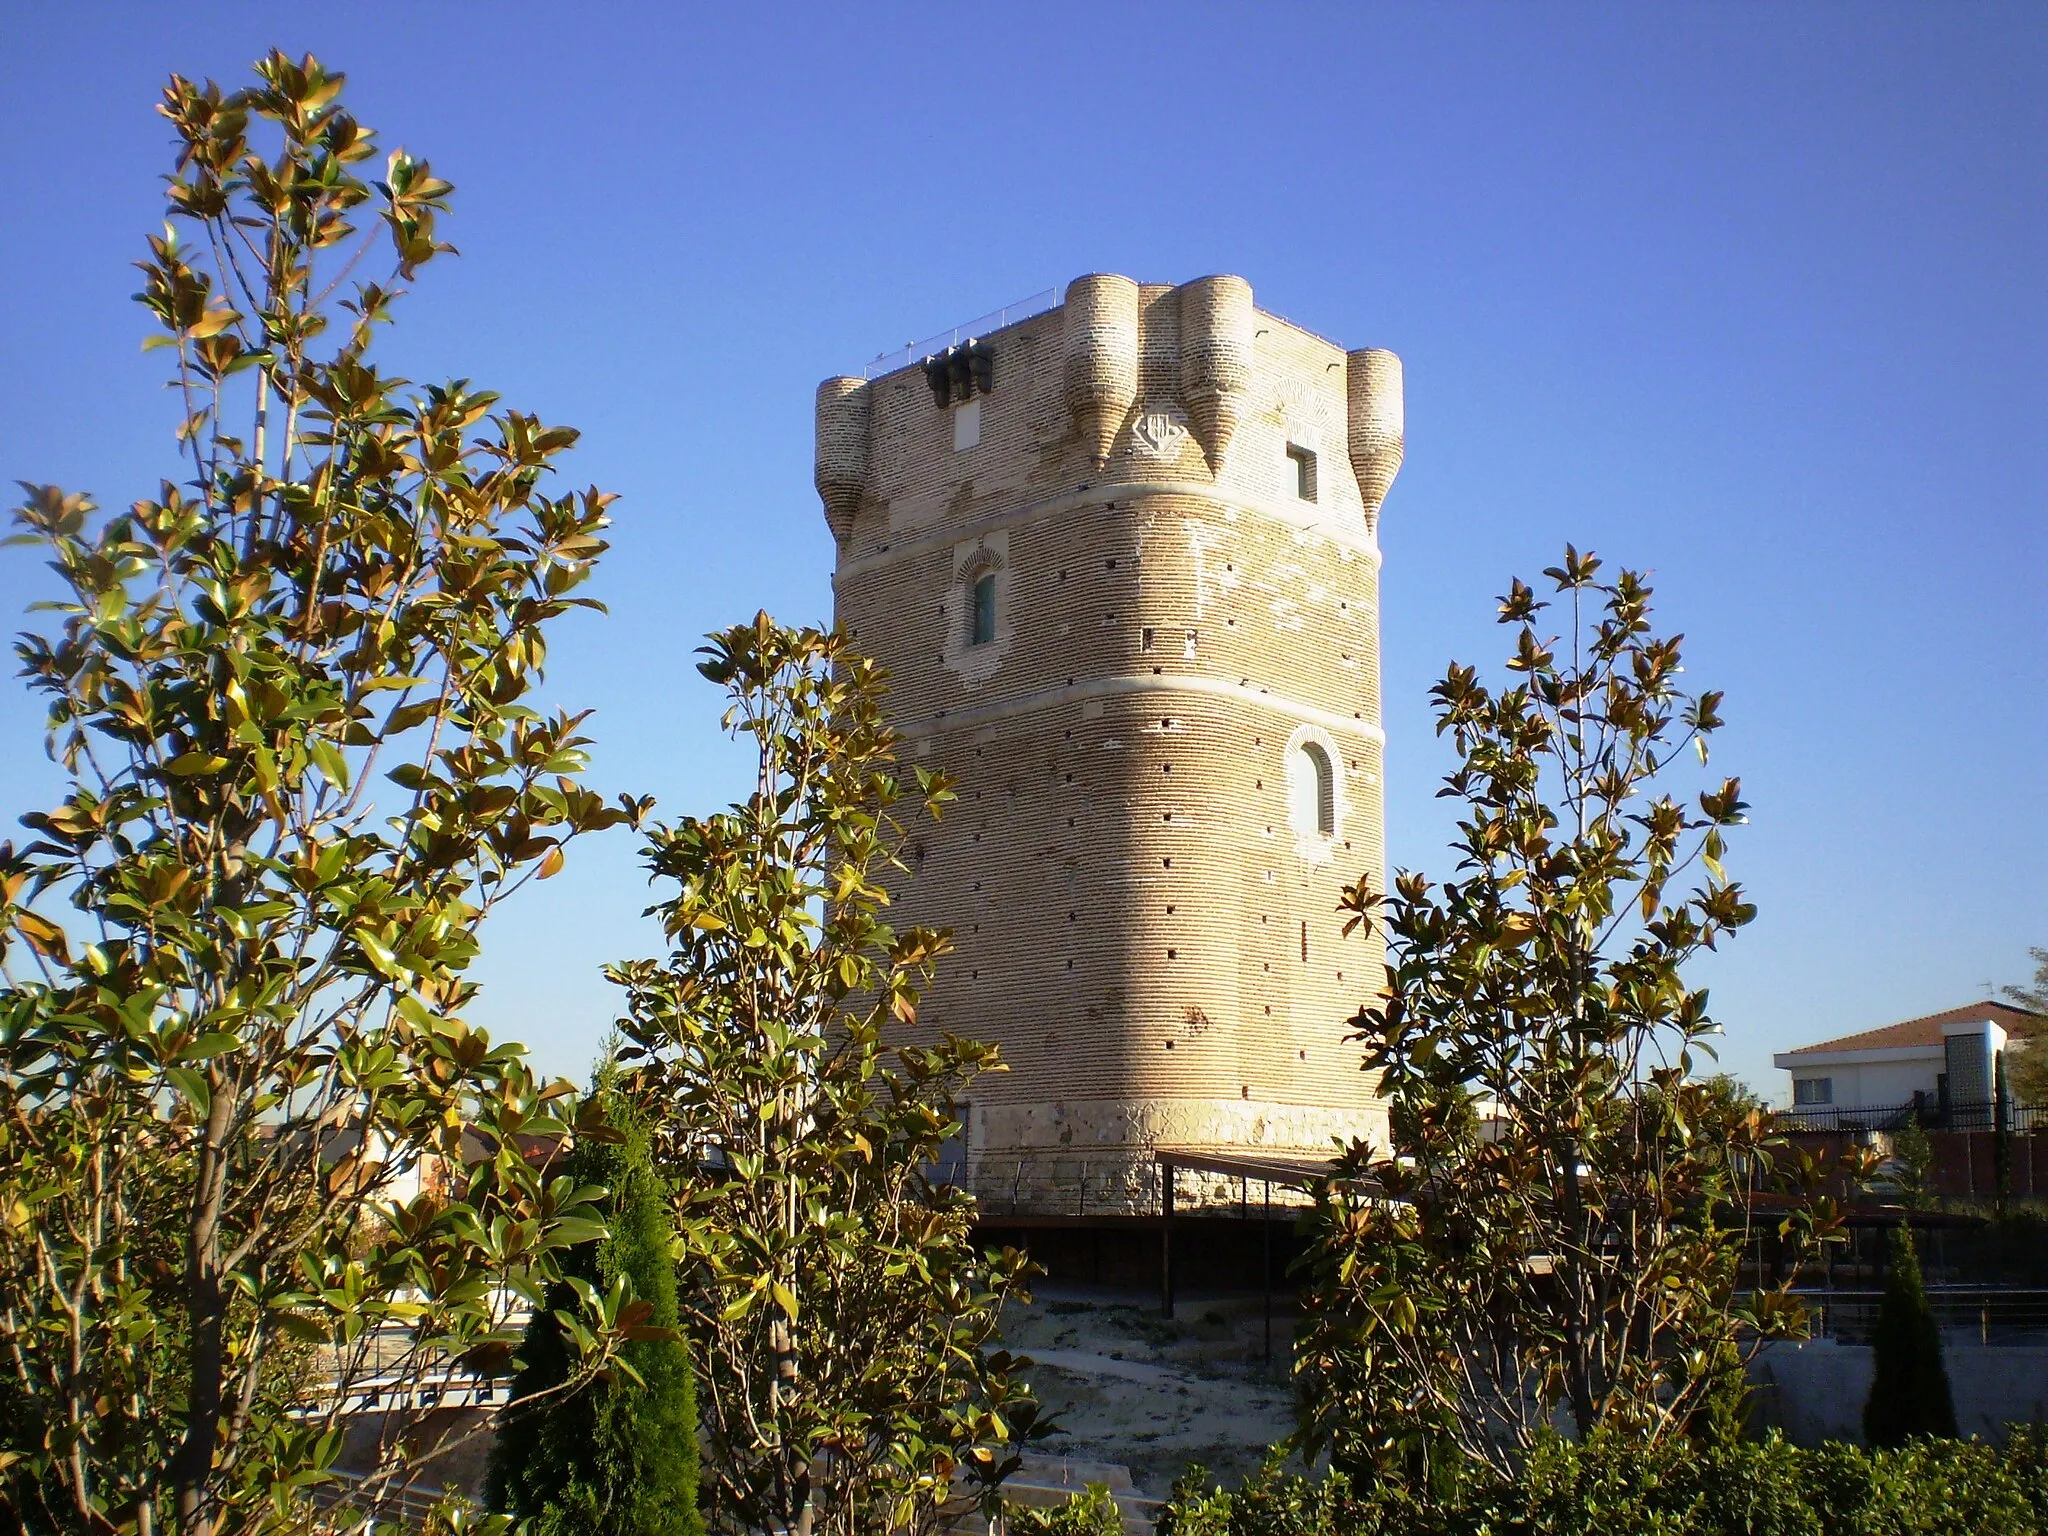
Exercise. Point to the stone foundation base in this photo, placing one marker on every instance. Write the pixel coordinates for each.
(1080, 1127)
(1100, 1156)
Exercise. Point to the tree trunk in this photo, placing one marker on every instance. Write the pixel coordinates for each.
(206, 1315)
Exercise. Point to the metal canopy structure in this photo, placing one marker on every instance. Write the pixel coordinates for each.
(1292, 1172)
(1265, 1171)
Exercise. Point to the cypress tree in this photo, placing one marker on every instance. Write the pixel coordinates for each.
(1722, 1415)
(1909, 1392)
(619, 1457)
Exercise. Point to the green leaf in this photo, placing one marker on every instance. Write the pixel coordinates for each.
(188, 765)
(305, 1329)
(379, 953)
(193, 1087)
(333, 767)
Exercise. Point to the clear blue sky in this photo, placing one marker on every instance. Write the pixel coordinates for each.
(1754, 296)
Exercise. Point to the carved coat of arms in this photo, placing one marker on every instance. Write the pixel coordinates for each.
(1159, 433)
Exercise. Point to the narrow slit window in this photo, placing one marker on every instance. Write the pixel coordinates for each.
(1304, 462)
(982, 620)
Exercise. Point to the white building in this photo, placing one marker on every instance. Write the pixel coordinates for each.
(1943, 1064)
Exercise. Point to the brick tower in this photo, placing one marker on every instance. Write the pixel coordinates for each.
(1121, 562)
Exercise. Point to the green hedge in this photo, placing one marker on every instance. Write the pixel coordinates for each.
(1613, 1488)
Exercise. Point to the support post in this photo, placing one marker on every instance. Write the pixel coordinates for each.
(1266, 1268)
(1165, 1237)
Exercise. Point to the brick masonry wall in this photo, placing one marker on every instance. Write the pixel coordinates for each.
(1966, 1163)
(1139, 920)
(1963, 1162)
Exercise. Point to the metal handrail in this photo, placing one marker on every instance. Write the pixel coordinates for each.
(407, 1503)
(917, 351)
(404, 1394)
(1051, 1183)
(1995, 1314)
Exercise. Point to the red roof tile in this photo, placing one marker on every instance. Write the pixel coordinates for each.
(2016, 1022)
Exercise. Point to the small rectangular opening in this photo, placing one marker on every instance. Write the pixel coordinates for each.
(1304, 462)
(966, 425)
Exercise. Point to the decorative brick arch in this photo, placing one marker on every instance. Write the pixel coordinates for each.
(980, 561)
(1314, 775)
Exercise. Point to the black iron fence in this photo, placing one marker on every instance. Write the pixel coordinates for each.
(1926, 1110)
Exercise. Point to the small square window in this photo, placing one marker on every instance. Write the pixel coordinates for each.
(1813, 1090)
(966, 425)
(1304, 462)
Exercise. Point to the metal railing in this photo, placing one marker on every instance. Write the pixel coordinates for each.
(1931, 1114)
(1966, 1313)
(1051, 1184)
(1034, 1490)
(406, 1394)
(1063, 1184)
(373, 1502)
(916, 351)
(381, 1373)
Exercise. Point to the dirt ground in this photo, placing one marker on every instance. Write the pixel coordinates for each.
(1129, 1386)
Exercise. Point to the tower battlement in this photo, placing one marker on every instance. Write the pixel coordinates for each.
(1121, 562)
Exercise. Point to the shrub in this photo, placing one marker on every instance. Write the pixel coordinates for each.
(1625, 1486)
(1091, 1512)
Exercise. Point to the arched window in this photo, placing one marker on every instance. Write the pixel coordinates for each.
(1313, 791)
(981, 624)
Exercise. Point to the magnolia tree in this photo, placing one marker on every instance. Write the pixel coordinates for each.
(291, 694)
(838, 1304)
(1557, 1221)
